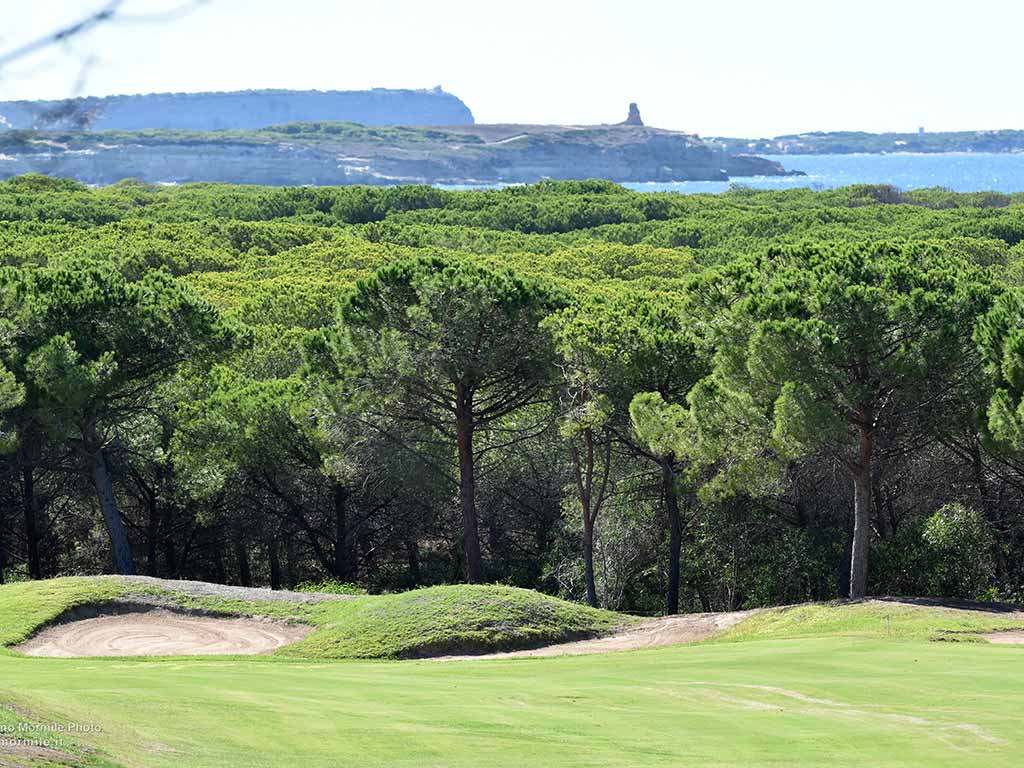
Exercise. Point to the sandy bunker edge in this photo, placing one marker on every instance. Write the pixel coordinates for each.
(146, 626)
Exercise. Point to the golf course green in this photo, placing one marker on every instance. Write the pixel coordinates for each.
(869, 684)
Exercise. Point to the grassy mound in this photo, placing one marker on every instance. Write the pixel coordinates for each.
(871, 619)
(470, 619)
(423, 622)
(28, 605)
(446, 620)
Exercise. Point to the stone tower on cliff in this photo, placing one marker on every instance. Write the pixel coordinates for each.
(634, 116)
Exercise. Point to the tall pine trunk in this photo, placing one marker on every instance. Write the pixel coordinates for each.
(124, 561)
(29, 506)
(991, 514)
(3, 551)
(289, 561)
(170, 557)
(675, 542)
(412, 556)
(244, 569)
(467, 487)
(588, 559)
(152, 536)
(342, 560)
(583, 467)
(274, 556)
(861, 514)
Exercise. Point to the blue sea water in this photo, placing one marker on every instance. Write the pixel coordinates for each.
(959, 171)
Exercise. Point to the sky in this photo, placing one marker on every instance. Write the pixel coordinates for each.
(750, 68)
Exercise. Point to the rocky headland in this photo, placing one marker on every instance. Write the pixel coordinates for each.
(327, 152)
(240, 110)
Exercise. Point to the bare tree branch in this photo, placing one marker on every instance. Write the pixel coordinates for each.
(159, 17)
(112, 11)
(62, 35)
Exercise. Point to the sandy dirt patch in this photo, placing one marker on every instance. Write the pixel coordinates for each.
(23, 749)
(161, 633)
(1006, 637)
(652, 633)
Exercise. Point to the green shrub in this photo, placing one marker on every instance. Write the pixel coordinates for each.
(961, 542)
(331, 586)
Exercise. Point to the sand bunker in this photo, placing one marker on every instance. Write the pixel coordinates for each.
(1006, 637)
(653, 633)
(160, 633)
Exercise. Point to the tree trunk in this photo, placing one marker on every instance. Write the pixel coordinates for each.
(467, 488)
(588, 559)
(220, 573)
(28, 499)
(705, 601)
(275, 564)
(583, 468)
(289, 561)
(884, 524)
(861, 515)
(366, 556)
(342, 568)
(123, 559)
(675, 542)
(152, 536)
(170, 557)
(3, 551)
(978, 467)
(412, 554)
(242, 556)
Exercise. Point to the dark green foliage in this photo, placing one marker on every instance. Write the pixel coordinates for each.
(92, 350)
(452, 346)
(293, 384)
(838, 349)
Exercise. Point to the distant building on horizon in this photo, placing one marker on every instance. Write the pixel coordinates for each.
(633, 118)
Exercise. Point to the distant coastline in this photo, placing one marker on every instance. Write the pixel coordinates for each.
(858, 142)
(996, 173)
(334, 154)
(238, 110)
(332, 138)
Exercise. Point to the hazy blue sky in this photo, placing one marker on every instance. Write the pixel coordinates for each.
(735, 67)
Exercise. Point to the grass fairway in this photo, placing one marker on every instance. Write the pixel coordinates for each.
(805, 702)
(820, 685)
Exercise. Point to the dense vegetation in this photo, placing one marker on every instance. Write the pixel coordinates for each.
(651, 401)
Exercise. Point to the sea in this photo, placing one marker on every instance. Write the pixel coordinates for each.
(958, 171)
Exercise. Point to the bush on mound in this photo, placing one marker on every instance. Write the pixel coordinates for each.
(436, 621)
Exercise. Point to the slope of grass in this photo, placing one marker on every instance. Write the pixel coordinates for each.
(870, 619)
(25, 606)
(795, 703)
(463, 618)
(452, 619)
(812, 685)
(35, 744)
(422, 622)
